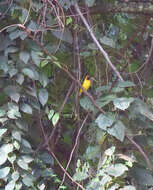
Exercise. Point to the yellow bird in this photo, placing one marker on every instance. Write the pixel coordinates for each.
(86, 84)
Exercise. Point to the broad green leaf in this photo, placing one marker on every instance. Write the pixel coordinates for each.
(29, 72)
(89, 3)
(50, 115)
(36, 58)
(24, 56)
(108, 41)
(110, 151)
(32, 91)
(48, 172)
(12, 72)
(65, 35)
(2, 112)
(7, 148)
(44, 63)
(3, 120)
(114, 187)
(26, 108)
(20, 78)
(28, 180)
(4, 63)
(43, 96)
(5, 41)
(24, 15)
(12, 92)
(15, 176)
(55, 119)
(2, 132)
(105, 179)
(117, 130)
(46, 158)
(13, 112)
(11, 49)
(12, 158)
(104, 121)
(91, 152)
(68, 20)
(116, 170)
(27, 158)
(16, 135)
(10, 185)
(3, 156)
(87, 104)
(142, 176)
(21, 124)
(16, 145)
(18, 186)
(129, 187)
(124, 84)
(26, 143)
(122, 103)
(4, 172)
(43, 79)
(22, 164)
(15, 34)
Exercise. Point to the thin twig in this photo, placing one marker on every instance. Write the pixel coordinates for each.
(97, 43)
(150, 166)
(71, 155)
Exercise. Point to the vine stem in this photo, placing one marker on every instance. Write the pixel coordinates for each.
(97, 42)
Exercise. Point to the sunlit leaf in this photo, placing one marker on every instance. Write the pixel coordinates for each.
(22, 164)
(36, 58)
(10, 185)
(55, 118)
(4, 172)
(105, 121)
(122, 103)
(87, 104)
(3, 156)
(116, 170)
(50, 115)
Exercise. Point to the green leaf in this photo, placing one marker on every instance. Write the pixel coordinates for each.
(29, 72)
(89, 3)
(91, 152)
(15, 176)
(47, 172)
(129, 187)
(12, 158)
(108, 41)
(87, 104)
(2, 132)
(16, 145)
(4, 172)
(43, 79)
(10, 185)
(24, 56)
(110, 151)
(16, 135)
(55, 119)
(7, 148)
(65, 35)
(50, 115)
(46, 158)
(26, 108)
(20, 78)
(43, 96)
(124, 84)
(26, 143)
(22, 164)
(2, 112)
(116, 170)
(36, 58)
(13, 112)
(3, 156)
(117, 130)
(68, 20)
(105, 121)
(44, 63)
(27, 158)
(12, 92)
(21, 124)
(12, 72)
(4, 63)
(122, 103)
(28, 180)
(14, 35)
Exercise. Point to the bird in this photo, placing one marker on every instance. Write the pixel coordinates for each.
(86, 84)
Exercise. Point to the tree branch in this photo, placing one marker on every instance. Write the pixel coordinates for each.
(97, 43)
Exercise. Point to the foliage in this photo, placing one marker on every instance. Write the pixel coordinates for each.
(45, 126)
